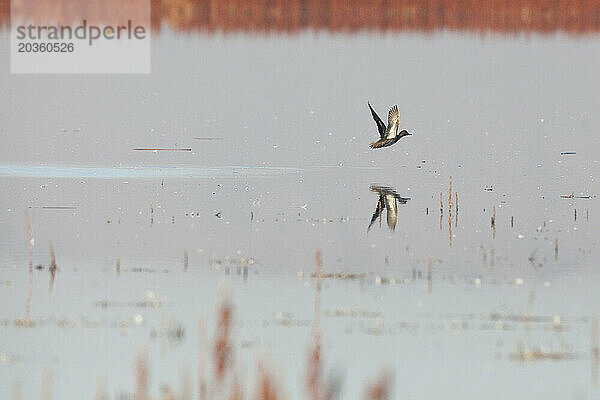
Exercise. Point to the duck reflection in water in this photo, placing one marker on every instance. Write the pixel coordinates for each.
(388, 200)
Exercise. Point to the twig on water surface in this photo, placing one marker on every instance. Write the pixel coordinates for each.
(532, 355)
(164, 149)
(572, 196)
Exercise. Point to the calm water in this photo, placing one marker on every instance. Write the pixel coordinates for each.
(506, 310)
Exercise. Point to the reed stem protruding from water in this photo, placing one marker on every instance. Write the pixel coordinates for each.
(493, 223)
(594, 350)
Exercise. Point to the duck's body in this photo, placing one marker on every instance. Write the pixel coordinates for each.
(384, 142)
(388, 135)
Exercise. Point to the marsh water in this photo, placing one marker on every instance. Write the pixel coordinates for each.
(493, 296)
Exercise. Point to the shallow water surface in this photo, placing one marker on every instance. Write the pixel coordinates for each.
(462, 260)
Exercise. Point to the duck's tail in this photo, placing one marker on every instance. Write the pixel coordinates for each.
(378, 144)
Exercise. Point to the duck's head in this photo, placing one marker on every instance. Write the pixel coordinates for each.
(403, 133)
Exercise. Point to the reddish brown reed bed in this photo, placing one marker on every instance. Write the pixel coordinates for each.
(224, 383)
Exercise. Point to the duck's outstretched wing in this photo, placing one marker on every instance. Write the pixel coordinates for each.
(378, 121)
(382, 190)
(393, 122)
(377, 213)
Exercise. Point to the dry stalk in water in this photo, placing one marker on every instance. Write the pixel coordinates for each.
(494, 223)
(47, 384)
(186, 385)
(314, 378)
(266, 387)
(52, 266)
(236, 389)
(30, 240)
(202, 346)
(141, 377)
(17, 390)
(101, 392)
(450, 196)
(222, 347)
(456, 205)
(429, 278)
(151, 214)
(380, 389)
(594, 351)
(167, 393)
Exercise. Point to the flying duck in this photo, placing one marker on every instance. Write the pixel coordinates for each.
(388, 135)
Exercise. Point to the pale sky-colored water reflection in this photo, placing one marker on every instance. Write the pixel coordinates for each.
(292, 174)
